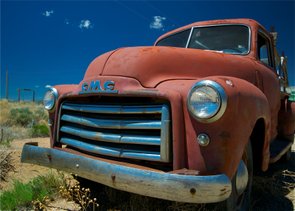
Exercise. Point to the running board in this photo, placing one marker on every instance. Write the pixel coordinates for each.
(278, 148)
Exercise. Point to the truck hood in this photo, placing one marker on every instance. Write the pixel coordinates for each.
(153, 65)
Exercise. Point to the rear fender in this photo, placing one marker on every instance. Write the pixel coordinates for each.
(286, 126)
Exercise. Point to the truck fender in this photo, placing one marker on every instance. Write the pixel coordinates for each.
(246, 104)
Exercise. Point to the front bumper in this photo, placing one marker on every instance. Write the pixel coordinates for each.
(174, 187)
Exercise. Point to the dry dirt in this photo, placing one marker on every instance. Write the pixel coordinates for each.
(23, 172)
(272, 190)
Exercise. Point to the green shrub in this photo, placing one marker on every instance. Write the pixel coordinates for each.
(39, 130)
(21, 116)
(23, 194)
(19, 120)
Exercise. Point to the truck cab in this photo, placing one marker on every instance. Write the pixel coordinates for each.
(188, 119)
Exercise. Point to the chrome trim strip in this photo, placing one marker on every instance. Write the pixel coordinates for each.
(140, 154)
(54, 90)
(111, 137)
(113, 109)
(55, 94)
(165, 134)
(189, 37)
(111, 151)
(112, 124)
(157, 184)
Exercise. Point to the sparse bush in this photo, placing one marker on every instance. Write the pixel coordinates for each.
(39, 130)
(5, 136)
(80, 195)
(8, 134)
(5, 165)
(21, 116)
(20, 120)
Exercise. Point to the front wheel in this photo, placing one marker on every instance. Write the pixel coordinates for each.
(241, 200)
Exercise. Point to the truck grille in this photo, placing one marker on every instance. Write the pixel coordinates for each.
(130, 131)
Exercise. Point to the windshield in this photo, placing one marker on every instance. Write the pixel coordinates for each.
(231, 39)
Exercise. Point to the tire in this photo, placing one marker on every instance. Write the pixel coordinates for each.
(242, 202)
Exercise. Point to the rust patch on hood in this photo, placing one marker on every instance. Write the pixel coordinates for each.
(153, 65)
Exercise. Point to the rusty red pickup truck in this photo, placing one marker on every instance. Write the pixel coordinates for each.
(188, 119)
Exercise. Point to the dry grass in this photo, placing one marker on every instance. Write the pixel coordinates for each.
(4, 111)
(274, 189)
(6, 107)
(9, 133)
(5, 165)
(290, 185)
(71, 191)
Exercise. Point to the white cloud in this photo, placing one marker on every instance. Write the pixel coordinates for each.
(67, 22)
(157, 23)
(48, 13)
(85, 24)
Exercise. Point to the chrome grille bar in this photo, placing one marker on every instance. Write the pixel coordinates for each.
(114, 138)
(113, 109)
(115, 124)
(108, 151)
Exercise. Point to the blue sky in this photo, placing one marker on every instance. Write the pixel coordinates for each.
(52, 42)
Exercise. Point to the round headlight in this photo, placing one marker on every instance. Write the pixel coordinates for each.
(207, 101)
(50, 99)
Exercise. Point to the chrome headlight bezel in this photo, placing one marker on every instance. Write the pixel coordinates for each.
(49, 104)
(219, 91)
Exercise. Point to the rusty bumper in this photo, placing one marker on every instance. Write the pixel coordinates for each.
(175, 187)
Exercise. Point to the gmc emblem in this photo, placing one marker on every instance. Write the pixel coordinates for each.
(95, 87)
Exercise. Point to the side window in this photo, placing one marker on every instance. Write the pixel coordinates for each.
(263, 54)
(175, 40)
(264, 50)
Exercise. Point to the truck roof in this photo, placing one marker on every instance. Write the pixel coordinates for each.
(245, 21)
